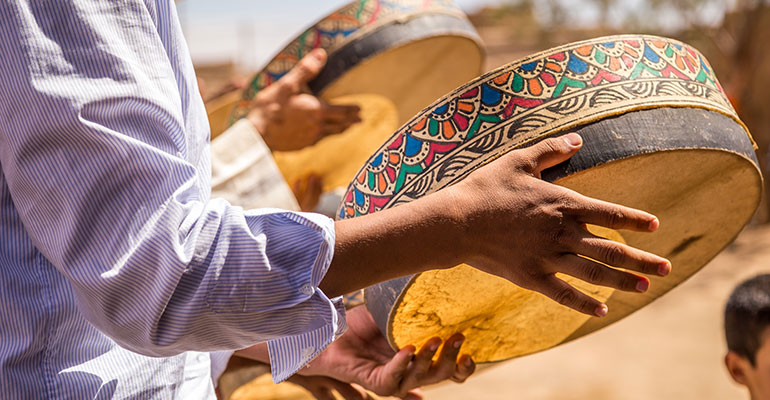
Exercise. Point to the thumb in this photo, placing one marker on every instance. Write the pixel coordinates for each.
(551, 152)
(306, 69)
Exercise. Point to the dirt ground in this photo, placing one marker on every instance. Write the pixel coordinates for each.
(672, 349)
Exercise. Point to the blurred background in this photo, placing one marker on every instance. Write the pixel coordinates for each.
(671, 349)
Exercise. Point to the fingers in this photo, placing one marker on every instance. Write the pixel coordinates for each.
(550, 152)
(395, 370)
(598, 274)
(465, 367)
(620, 255)
(306, 69)
(348, 114)
(337, 118)
(421, 365)
(568, 296)
(609, 215)
(328, 129)
(423, 371)
(447, 361)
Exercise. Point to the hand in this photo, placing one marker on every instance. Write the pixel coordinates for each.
(363, 356)
(289, 118)
(524, 229)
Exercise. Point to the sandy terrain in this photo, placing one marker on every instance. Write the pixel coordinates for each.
(671, 349)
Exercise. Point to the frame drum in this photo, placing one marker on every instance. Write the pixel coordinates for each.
(381, 56)
(659, 135)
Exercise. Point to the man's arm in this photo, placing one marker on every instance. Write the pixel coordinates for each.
(505, 220)
(103, 146)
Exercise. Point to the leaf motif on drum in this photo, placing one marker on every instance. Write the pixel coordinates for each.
(530, 98)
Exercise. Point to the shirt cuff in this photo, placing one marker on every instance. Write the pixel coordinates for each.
(289, 354)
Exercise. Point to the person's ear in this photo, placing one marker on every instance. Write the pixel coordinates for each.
(738, 367)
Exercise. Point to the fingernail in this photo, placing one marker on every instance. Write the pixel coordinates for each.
(318, 54)
(654, 224)
(601, 310)
(642, 285)
(468, 362)
(457, 343)
(664, 268)
(433, 346)
(573, 139)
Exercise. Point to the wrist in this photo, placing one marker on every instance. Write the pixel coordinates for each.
(452, 224)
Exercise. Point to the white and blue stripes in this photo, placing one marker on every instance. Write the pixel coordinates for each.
(108, 238)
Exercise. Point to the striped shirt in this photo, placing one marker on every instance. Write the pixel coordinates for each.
(116, 266)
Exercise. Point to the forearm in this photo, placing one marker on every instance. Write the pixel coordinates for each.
(404, 240)
(108, 172)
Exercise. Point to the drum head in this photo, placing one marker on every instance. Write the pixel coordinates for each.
(702, 194)
(659, 135)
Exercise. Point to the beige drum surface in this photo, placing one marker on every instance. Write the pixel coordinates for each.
(681, 187)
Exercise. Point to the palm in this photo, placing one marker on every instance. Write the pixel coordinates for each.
(362, 355)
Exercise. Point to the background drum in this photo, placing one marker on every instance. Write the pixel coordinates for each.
(659, 135)
(382, 56)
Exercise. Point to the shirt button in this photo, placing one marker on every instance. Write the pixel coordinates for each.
(307, 289)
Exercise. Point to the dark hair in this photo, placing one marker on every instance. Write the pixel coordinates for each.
(747, 314)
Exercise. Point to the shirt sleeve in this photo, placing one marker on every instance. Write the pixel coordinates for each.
(110, 177)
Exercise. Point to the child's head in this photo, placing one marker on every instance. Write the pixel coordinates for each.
(747, 329)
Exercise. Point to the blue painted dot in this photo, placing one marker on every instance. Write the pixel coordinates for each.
(441, 109)
(677, 46)
(576, 65)
(359, 197)
(342, 213)
(490, 96)
(609, 44)
(530, 66)
(413, 146)
(377, 160)
(650, 55)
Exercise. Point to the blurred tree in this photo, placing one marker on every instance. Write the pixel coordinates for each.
(604, 7)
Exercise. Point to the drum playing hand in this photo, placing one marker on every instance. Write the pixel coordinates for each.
(289, 118)
(362, 356)
(526, 230)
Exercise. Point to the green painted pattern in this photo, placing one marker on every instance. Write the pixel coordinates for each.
(565, 82)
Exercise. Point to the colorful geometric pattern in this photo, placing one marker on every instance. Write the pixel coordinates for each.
(545, 93)
(334, 31)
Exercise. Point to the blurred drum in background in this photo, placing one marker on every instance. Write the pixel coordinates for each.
(391, 58)
(659, 135)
